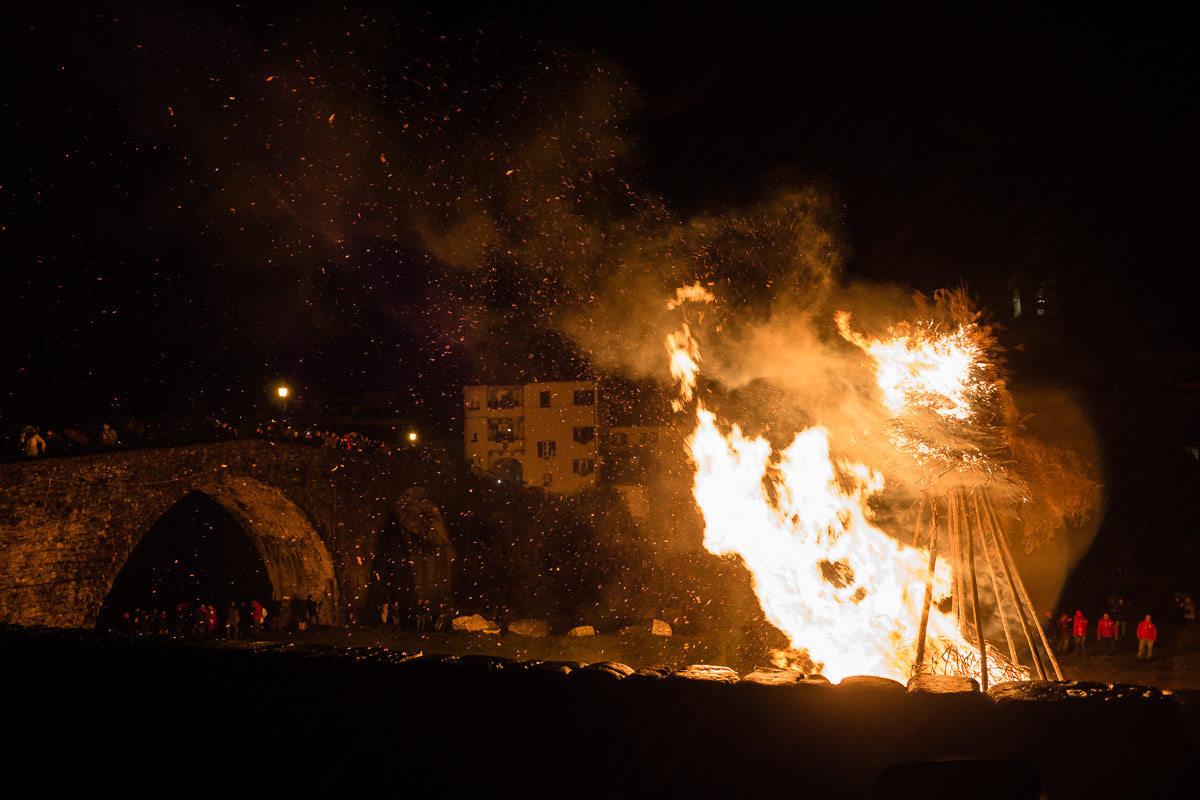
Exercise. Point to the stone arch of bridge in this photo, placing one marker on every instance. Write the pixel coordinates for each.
(296, 560)
(412, 554)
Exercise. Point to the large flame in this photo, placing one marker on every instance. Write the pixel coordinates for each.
(920, 368)
(840, 588)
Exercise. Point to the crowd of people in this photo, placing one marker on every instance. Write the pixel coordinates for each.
(202, 620)
(51, 442)
(1073, 633)
(423, 616)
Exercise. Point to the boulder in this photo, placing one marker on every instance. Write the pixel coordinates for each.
(773, 677)
(474, 624)
(707, 672)
(530, 627)
(582, 630)
(942, 684)
(871, 683)
(660, 628)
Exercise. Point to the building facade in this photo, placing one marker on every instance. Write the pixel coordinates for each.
(543, 434)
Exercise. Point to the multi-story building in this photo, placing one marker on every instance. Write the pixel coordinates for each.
(544, 434)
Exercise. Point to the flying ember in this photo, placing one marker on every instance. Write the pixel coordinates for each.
(850, 597)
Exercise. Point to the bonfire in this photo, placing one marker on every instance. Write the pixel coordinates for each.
(852, 599)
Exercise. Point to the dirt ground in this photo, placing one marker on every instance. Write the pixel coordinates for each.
(1170, 668)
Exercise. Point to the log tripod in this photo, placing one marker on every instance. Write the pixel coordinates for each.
(971, 520)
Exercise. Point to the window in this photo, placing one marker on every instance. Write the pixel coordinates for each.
(585, 434)
(503, 398)
(474, 437)
(585, 397)
(504, 430)
(547, 479)
(473, 403)
(546, 449)
(544, 399)
(618, 439)
(584, 466)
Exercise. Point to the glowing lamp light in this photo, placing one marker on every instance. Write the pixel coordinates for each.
(412, 437)
(283, 392)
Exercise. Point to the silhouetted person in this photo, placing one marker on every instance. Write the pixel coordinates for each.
(233, 620)
(1120, 616)
(199, 620)
(312, 610)
(54, 443)
(1064, 634)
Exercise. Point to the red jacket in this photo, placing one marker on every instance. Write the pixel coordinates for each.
(1080, 624)
(1105, 629)
(1146, 630)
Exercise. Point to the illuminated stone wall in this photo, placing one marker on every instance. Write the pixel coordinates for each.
(67, 525)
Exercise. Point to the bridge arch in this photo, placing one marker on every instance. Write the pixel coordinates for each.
(412, 556)
(295, 559)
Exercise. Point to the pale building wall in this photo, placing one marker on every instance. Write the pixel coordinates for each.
(535, 424)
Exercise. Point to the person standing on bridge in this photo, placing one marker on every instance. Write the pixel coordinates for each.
(108, 437)
(32, 444)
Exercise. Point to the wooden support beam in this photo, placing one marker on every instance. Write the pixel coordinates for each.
(919, 663)
(983, 673)
(1023, 596)
(984, 530)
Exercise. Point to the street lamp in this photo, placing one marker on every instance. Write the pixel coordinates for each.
(283, 400)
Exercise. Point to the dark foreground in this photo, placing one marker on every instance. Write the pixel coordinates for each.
(104, 716)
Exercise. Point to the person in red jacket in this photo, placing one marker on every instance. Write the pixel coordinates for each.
(1106, 634)
(1080, 630)
(1147, 634)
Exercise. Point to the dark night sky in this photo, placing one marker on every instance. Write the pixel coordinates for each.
(202, 198)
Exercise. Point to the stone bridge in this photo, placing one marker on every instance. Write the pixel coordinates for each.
(315, 517)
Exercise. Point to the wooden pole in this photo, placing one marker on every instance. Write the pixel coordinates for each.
(1023, 594)
(983, 676)
(993, 528)
(987, 556)
(952, 533)
(919, 663)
